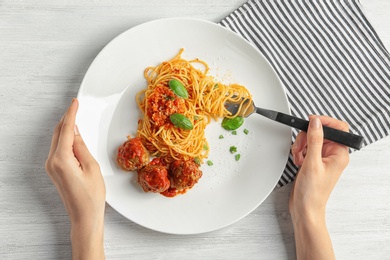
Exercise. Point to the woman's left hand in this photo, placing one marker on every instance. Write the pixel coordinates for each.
(80, 184)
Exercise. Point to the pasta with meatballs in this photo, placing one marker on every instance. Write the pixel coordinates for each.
(177, 104)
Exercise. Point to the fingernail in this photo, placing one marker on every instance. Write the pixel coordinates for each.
(73, 100)
(315, 123)
(76, 130)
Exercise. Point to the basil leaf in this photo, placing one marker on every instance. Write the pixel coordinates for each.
(197, 160)
(178, 88)
(181, 121)
(232, 123)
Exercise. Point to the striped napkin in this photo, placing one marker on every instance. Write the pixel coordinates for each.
(328, 57)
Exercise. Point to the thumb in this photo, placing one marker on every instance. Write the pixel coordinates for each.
(81, 151)
(315, 139)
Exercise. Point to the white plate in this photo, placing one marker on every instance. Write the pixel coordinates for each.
(228, 190)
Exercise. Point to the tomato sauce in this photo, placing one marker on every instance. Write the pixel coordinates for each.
(162, 103)
(172, 192)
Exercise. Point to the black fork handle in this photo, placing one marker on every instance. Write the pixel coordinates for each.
(338, 136)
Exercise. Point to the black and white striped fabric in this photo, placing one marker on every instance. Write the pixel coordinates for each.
(328, 57)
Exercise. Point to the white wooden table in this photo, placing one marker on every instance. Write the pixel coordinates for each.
(45, 49)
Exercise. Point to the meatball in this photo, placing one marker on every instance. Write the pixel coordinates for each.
(184, 174)
(154, 176)
(132, 155)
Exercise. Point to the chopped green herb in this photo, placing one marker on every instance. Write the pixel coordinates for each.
(221, 137)
(216, 86)
(205, 147)
(196, 117)
(196, 160)
(246, 131)
(233, 149)
(237, 157)
(209, 163)
(234, 132)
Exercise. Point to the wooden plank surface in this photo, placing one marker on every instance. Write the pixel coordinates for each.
(45, 50)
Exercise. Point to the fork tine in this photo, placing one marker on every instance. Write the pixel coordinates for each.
(244, 108)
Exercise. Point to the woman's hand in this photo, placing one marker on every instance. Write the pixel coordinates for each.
(321, 164)
(79, 182)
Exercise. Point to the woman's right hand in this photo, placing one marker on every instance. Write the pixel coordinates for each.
(321, 163)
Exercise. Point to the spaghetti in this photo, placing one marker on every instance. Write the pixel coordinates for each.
(159, 103)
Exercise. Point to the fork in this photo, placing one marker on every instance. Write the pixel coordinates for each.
(248, 108)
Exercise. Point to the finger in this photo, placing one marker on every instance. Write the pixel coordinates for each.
(81, 151)
(298, 159)
(333, 122)
(66, 137)
(297, 148)
(56, 134)
(300, 142)
(315, 139)
(337, 124)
